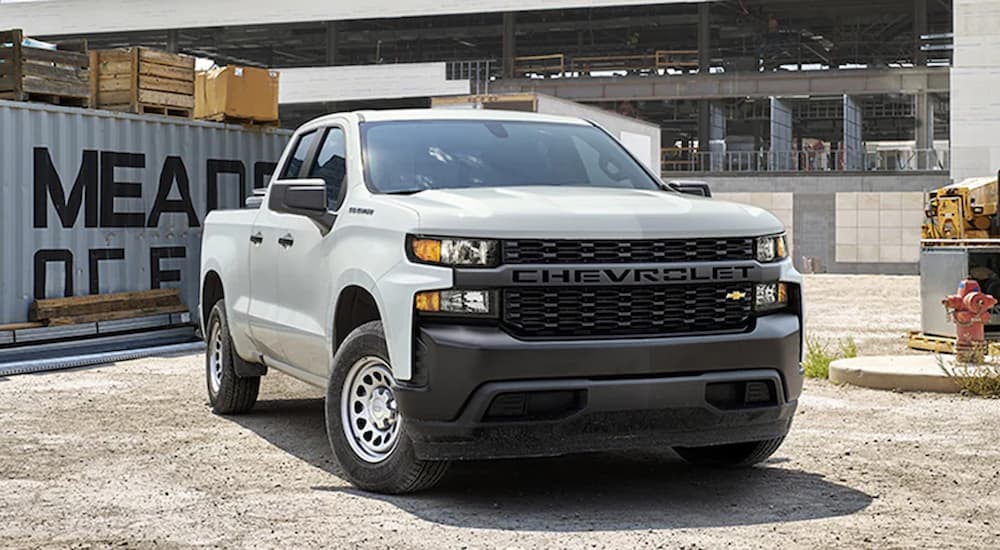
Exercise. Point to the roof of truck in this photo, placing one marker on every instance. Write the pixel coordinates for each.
(462, 114)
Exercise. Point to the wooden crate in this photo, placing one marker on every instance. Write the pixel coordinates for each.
(142, 80)
(59, 76)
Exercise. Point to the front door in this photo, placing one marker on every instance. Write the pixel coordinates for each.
(306, 264)
(266, 309)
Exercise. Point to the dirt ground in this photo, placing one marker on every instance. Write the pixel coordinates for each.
(128, 455)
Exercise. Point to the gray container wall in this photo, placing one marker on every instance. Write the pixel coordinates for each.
(117, 199)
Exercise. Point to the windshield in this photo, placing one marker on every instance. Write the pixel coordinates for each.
(412, 156)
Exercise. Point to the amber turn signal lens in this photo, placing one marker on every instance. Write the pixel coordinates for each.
(428, 250)
(428, 301)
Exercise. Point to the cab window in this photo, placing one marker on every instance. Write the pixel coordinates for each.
(293, 166)
(330, 165)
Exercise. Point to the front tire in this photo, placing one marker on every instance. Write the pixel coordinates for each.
(732, 455)
(227, 392)
(366, 432)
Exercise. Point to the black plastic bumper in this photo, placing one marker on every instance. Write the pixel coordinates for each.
(479, 385)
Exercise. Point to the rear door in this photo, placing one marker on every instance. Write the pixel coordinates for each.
(306, 264)
(266, 326)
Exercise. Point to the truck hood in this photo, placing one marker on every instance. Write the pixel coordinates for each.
(582, 212)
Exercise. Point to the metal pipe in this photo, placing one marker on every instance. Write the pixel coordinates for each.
(72, 362)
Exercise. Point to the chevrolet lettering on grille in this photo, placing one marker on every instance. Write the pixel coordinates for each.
(624, 275)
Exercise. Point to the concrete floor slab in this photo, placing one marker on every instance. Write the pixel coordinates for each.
(896, 372)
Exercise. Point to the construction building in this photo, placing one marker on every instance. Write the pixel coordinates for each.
(837, 116)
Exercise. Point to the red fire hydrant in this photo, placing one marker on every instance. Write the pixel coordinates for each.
(969, 310)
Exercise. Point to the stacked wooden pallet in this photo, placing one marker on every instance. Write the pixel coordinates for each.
(106, 307)
(143, 80)
(60, 76)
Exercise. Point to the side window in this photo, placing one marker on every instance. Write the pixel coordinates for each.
(293, 166)
(331, 166)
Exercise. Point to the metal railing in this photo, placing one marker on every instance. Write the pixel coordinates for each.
(479, 73)
(562, 65)
(680, 159)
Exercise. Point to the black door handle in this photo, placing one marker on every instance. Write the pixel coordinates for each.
(257, 238)
(286, 241)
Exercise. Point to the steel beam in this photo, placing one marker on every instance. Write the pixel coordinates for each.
(733, 85)
(509, 44)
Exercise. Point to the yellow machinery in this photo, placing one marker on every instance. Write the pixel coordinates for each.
(964, 210)
(961, 239)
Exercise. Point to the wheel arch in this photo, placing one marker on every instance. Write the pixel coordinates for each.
(212, 290)
(355, 307)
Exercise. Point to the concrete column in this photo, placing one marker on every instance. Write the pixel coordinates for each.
(923, 128)
(853, 145)
(509, 44)
(704, 62)
(172, 38)
(781, 154)
(704, 35)
(331, 43)
(919, 28)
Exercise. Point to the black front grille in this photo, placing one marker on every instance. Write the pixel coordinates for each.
(627, 311)
(558, 251)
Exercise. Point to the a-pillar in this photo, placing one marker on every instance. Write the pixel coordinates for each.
(509, 44)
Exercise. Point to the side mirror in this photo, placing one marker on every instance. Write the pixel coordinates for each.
(309, 198)
(255, 200)
(698, 188)
(303, 197)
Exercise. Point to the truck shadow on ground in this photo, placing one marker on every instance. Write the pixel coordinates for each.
(603, 491)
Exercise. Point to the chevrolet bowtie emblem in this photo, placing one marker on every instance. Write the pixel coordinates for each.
(736, 295)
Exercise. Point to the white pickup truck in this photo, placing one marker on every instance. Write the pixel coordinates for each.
(487, 284)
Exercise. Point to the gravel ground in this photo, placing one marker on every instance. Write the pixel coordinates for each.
(128, 455)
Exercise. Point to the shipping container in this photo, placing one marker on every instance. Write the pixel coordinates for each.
(641, 138)
(97, 201)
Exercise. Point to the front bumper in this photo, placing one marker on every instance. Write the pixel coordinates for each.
(597, 394)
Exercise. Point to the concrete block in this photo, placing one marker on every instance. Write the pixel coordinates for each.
(912, 218)
(898, 373)
(847, 235)
(847, 201)
(782, 201)
(847, 253)
(868, 201)
(890, 253)
(911, 235)
(761, 200)
(910, 252)
(847, 218)
(890, 236)
(911, 201)
(890, 201)
(868, 253)
(868, 218)
(890, 218)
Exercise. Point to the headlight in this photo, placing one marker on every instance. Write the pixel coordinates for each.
(461, 302)
(770, 296)
(771, 248)
(454, 252)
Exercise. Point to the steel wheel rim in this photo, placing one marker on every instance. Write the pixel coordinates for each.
(215, 358)
(368, 412)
